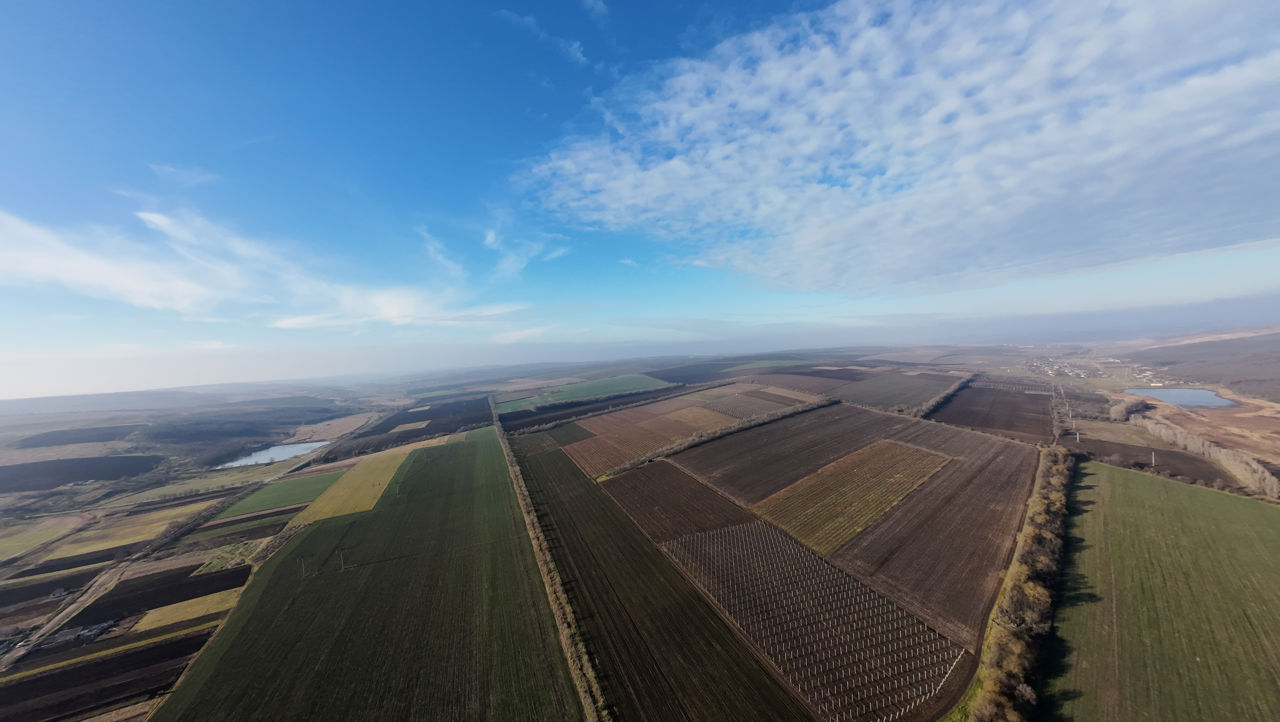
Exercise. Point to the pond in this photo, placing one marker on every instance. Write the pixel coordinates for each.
(275, 453)
(1186, 398)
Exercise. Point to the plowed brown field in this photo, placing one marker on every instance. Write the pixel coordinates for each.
(667, 503)
(1014, 413)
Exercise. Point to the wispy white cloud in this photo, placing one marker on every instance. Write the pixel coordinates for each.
(628, 262)
(572, 49)
(193, 266)
(513, 255)
(596, 7)
(518, 335)
(183, 176)
(866, 146)
(555, 253)
(440, 256)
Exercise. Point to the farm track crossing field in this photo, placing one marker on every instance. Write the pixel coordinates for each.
(661, 652)
(282, 493)
(830, 506)
(668, 503)
(853, 653)
(430, 606)
(941, 551)
(584, 390)
(1169, 604)
(1007, 411)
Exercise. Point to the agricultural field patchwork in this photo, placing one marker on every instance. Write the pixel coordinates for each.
(940, 552)
(430, 605)
(829, 507)
(288, 492)
(853, 653)
(359, 488)
(123, 530)
(660, 650)
(187, 610)
(1169, 600)
(623, 436)
(583, 390)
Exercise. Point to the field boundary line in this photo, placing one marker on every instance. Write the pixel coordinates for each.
(676, 392)
(108, 652)
(590, 696)
(708, 436)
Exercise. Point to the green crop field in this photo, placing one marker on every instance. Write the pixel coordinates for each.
(282, 493)
(584, 390)
(429, 606)
(1170, 604)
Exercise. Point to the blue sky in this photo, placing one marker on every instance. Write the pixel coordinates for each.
(236, 191)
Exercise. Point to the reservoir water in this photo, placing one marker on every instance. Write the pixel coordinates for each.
(1186, 398)
(275, 453)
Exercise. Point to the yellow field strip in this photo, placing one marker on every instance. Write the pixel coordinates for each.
(361, 487)
(411, 426)
(107, 652)
(190, 609)
(19, 581)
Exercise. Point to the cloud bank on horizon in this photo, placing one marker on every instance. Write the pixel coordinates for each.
(868, 146)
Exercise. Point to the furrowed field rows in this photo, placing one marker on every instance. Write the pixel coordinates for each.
(668, 503)
(829, 507)
(661, 651)
(941, 551)
(1013, 413)
(753, 464)
(429, 606)
(853, 653)
(623, 436)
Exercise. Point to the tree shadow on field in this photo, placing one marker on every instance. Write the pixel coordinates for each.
(1073, 590)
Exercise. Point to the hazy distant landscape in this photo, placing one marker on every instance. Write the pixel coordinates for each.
(839, 534)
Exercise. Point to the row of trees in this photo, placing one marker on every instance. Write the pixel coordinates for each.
(934, 403)
(1246, 469)
(1024, 614)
